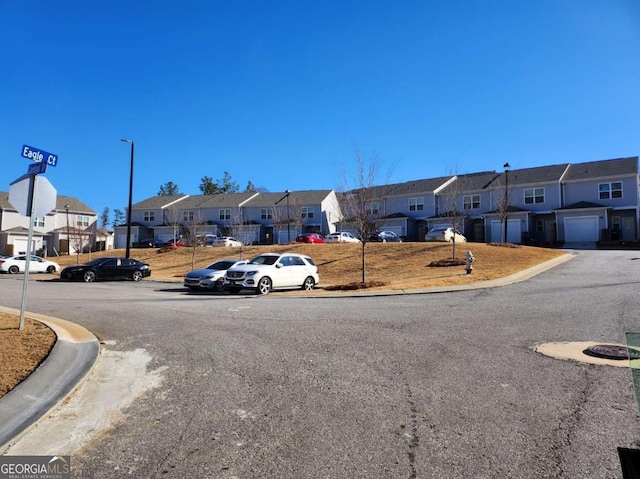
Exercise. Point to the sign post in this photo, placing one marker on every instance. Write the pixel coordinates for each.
(32, 197)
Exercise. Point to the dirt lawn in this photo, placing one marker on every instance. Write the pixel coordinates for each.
(397, 265)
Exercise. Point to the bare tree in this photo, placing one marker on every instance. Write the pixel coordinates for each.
(450, 207)
(80, 240)
(500, 194)
(193, 228)
(173, 217)
(361, 201)
(241, 230)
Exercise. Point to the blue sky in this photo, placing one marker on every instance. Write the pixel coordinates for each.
(282, 93)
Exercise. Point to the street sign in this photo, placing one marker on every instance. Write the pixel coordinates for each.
(39, 155)
(32, 196)
(37, 168)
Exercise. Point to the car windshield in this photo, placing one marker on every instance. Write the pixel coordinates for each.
(437, 230)
(264, 259)
(221, 265)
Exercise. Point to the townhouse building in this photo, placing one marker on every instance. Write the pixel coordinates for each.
(69, 228)
(253, 218)
(562, 203)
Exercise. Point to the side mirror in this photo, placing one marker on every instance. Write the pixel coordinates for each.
(278, 265)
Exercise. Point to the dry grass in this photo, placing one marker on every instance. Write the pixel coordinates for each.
(392, 266)
(398, 265)
(21, 351)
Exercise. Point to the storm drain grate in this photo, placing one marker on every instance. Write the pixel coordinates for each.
(612, 351)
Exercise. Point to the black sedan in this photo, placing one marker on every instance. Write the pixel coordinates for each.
(107, 268)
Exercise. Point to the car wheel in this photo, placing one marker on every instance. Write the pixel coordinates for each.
(136, 276)
(51, 269)
(13, 269)
(308, 284)
(89, 276)
(219, 285)
(264, 285)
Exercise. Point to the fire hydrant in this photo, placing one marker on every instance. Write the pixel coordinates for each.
(470, 259)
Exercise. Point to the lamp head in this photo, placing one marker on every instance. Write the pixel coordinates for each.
(506, 165)
(127, 141)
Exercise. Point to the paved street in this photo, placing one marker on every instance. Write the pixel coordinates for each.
(415, 386)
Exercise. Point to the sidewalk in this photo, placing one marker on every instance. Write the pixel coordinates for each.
(70, 360)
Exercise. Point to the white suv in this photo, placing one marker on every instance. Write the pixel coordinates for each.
(273, 271)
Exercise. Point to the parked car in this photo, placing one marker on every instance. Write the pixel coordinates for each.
(150, 243)
(206, 240)
(310, 238)
(107, 268)
(443, 233)
(18, 264)
(173, 244)
(228, 241)
(341, 237)
(273, 271)
(385, 237)
(211, 277)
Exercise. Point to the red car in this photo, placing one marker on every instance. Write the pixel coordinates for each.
(310, 238)
(174, 244)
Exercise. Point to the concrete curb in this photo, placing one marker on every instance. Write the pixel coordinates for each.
(71, 359)
(493, 283)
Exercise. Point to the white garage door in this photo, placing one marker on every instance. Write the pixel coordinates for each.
(513, 231)
(583, 228)
(20, 246)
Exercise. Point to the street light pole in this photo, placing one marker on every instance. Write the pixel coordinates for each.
(288, 215)
(506, 166)
(66, 207)
(130, 198)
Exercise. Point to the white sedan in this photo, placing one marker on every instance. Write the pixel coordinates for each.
(227, 241)
(447, 234)
(341, 237)
(17, 264)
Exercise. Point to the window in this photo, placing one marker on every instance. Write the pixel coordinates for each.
(533, 195)
(266, 213)
(38, 222)
(82, 221)
(225, 213)
(372, 208)
(416, 204)
(307, 212)
(610, 190)
(540, 226)
(149, 216)
(471, 202)
(188, 215)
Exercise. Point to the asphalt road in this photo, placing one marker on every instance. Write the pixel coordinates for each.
(417, 386)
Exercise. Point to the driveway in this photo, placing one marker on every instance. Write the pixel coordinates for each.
(430, 385)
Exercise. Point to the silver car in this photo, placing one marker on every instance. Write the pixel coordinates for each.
(211, 277)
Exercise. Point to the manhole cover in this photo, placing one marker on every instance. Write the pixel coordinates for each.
(612, 351)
